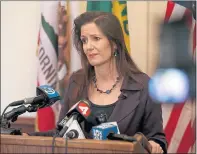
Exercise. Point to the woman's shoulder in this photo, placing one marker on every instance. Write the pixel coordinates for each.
(77, 76)
(141, 78)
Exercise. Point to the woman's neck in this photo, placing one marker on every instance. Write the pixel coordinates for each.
(106, 72)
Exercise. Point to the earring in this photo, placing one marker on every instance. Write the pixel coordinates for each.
(116, 53)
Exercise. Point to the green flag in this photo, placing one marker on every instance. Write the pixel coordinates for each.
(105, 6)
(118, 8)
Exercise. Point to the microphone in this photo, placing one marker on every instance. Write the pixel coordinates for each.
(82, 107)
(123, 137)
(46, 96)
(101, 117)
(110, 131)
(15, 112)
(74, 131)
(64, 125)
(72, 134)
(102, 131)
(79, 112)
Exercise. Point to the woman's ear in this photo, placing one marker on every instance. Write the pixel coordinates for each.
(114, 46)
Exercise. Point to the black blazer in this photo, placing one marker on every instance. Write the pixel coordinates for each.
(134, 112)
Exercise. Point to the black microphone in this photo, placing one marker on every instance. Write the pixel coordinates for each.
(79, 112)
(138, 137)
(113, 136)
(101, 117)
(64, 127)
(15, 112)
(72, 134)
(30, 100)
(62, 123)
(46, 96)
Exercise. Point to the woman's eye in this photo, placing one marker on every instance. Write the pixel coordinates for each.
(97, 38)
(83, 40)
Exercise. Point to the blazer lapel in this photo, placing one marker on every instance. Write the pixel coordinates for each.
(128, 100)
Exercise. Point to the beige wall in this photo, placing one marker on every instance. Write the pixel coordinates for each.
(143, 17)
(156, 16)
(20, 22)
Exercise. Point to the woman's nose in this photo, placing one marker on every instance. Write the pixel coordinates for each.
(89, 46)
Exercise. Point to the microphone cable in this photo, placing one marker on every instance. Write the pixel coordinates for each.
(56, 134)
(66, 144)
(58, 131)
(53, 141)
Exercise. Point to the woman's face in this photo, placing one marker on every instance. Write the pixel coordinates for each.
(96, 46)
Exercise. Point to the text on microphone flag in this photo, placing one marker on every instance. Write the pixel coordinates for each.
(102, 131)
(97, 135)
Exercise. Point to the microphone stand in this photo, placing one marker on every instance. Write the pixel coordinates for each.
(5, 123)
(5, 127)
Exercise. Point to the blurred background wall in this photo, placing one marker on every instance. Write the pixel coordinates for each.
(19, 32)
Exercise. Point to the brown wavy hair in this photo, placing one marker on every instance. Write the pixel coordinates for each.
(111, 28)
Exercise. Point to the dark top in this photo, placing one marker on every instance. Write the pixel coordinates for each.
(134, 112)
(102, 112)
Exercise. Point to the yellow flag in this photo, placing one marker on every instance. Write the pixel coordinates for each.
(119, 8)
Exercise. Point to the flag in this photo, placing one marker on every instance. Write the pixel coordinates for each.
(51, 68)
(178, 120)
(119, 9)
(69, 59)
(64, 47)
(74, 11)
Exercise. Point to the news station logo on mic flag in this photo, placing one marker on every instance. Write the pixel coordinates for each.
(119, 9)
(84, 107)
(179, 119)
(102, 131)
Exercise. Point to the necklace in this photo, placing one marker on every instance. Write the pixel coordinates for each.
(107, 91)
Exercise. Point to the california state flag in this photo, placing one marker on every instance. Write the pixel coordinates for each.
(47, 56)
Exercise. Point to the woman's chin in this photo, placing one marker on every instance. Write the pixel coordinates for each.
(94, 63)
(97, 63)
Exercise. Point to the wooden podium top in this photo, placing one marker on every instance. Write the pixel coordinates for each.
(40, 144)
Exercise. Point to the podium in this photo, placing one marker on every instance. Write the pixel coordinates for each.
(40, 144)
